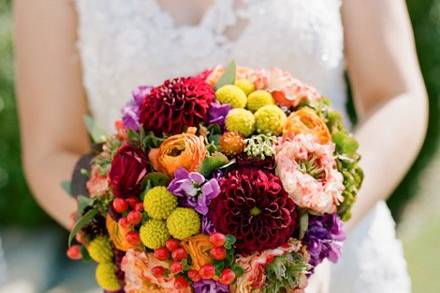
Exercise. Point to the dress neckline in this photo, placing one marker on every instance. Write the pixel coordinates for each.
(200, 22)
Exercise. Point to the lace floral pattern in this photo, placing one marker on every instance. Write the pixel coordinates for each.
(124, 44)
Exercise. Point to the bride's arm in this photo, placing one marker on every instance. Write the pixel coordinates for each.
(389, 94)
(51, 99)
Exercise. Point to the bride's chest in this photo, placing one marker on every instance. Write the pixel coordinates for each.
(139, 34)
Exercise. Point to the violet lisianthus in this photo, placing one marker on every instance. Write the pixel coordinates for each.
(194, 190)
(217, 113)
(130, 112)
(324, 238)
(207, 225)
(209, 286)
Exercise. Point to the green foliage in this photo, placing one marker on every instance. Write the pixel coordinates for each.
(228, 76)
(212, 163)
(284, 273)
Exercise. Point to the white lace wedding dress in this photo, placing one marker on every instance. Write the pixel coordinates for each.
(124, 44)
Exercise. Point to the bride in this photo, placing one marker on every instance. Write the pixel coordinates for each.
(87, 55)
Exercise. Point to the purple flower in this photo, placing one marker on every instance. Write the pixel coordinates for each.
(217, 113)
(194, 190)
(130, 112)
(324, 238)
(207, 225)
(209, 286)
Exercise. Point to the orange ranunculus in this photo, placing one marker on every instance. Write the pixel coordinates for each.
(118, 234)
(306, 121)
(185, 150)
(198, 248)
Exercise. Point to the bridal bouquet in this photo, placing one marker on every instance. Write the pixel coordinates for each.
(233, 180)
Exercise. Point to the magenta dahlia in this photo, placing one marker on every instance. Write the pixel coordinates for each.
(176, 104)
(254, 208)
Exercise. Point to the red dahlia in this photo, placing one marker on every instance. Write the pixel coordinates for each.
(176, 104)
(254, 207)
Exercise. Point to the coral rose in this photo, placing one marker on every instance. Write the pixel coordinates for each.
(185, 150)
(129, 167)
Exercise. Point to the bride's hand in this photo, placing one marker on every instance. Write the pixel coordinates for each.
(319, 282)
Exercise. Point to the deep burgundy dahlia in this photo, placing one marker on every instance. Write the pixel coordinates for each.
(176, 104)
(254, 208)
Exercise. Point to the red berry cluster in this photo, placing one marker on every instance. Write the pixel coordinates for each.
(177, 255)
(130, 210)
(219, 252)
(174, 252)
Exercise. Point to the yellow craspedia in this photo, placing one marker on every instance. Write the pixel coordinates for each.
(106, 277)
(100, 249)
(154, 233)
(232, 95)
(258, 99)
(241, 121)
(246, 85)
(159, 203)
(183, 223)
(270, 120)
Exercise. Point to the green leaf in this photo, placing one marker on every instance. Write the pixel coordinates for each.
(228, 76)
(212, 162)
(345, 143)
(98, 135)
(81, 223)
(230, 241)
(303, 225)
(67, 186)
(150, 140)
(219, 266)
(83, 203)
(157, 179)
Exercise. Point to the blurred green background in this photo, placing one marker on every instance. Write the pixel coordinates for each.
(411, 203)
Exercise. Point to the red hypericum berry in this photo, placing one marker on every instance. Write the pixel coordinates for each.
(120, 205)
(158, 271)
(181, 283)
(176, 267)
(139, 207)
(132, 202)
(179, 254)
(172, 244)
(218, 253)
(123, 222)
(194, 275)
(133, 238)
(161, 253)
(227, 277)
(207, 271)
(74, 252)
(217, 239)
(134, 218)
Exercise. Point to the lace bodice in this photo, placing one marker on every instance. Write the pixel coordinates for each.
(124, 44)
(127, 43)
